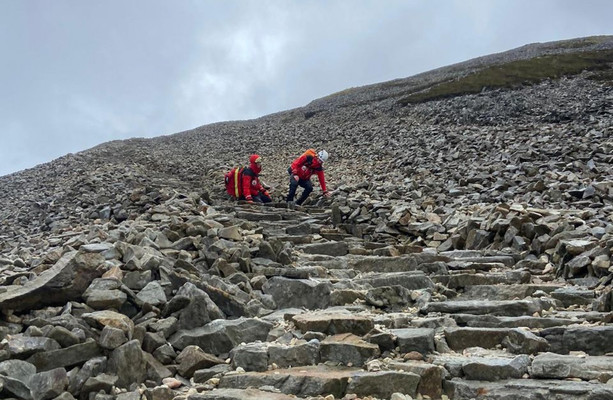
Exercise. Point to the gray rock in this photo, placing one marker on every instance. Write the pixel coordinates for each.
(111, 338)
(221, 336)
(333, 323)
(347, 349)
(481, 307)
(420, 340)
(193, 358)
(128, 363)
(91, 368)
(23, 346)
(294, 355)
(557, 366)
(250, 357)
(48, 384)
(203, 375)
(337, 249)
(56, 285)
(594, 340)
(68, 357)
(152, 294)
(305, 293)
(494, 369)
(63, 336)
(383, 384)
(101, 382)
(462, 338)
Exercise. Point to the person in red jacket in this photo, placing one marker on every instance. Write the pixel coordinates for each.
(300, 173)
(252, 188)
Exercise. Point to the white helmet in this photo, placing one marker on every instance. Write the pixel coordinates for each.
(322, 155)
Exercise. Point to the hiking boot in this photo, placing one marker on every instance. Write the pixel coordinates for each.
(291, 205)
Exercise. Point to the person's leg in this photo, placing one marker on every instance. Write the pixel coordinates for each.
(261, 198)
(265, 198)
(308, 188)
(293, 185)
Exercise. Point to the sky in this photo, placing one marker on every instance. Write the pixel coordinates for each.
(74, 73)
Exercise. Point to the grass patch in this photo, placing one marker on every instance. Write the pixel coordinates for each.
(515, 74)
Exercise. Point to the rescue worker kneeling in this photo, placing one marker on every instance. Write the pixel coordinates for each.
(300, 172)
(244, 183)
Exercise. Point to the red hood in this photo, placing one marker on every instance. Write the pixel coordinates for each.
(254, 167)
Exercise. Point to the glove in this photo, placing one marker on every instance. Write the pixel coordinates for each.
(327, 194)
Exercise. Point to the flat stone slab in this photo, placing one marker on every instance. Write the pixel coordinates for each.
(332, 248)
(420, 340)
(347, 349)
(557, 366)
(414, 262)
(511, 308)
(515, 340)
(491, 321)
(324, 380)
(495, 369)
(454, 281)
(412, 280)
(307, 293)
(529, 389)
(488, 338)
(594, 340)
(242, 394)
(333, 323)
(68, 357)
(221, 336)
(505, 292)
(56, 285)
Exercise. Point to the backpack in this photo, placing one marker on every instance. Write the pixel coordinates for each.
(233, 180)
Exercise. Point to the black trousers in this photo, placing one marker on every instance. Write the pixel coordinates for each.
(293, 186)
(259, 198)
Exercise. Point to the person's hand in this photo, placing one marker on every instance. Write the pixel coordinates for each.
(265, 193)
(327, 194)
(249, 199)
(296, 178)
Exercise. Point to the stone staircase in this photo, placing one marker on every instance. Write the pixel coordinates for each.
(265, 302)
(366, 319)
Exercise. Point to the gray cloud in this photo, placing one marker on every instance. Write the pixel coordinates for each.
(75, 74)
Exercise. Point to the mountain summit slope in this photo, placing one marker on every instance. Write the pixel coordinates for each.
(465, 251)
(394, 132)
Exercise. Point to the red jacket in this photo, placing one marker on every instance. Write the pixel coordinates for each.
(251, 185)
(307, 165)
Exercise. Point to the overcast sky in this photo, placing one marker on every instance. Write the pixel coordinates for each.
(74, 73)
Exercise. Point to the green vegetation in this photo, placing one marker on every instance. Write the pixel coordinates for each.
(517, 73)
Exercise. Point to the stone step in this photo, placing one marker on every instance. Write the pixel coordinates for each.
(491, 321)
(506, 292)
(494, 366)
(322, 380)
(332, 323)
(509, 308)
(242, 394)
(477, 257)
(515, 340)
(463, 280)
(526, 389)
(557, 366)
(593, 340)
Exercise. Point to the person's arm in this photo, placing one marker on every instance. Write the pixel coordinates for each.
(246, 184)
(322, 179)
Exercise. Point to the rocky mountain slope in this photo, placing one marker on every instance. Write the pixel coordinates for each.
(465, 252)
